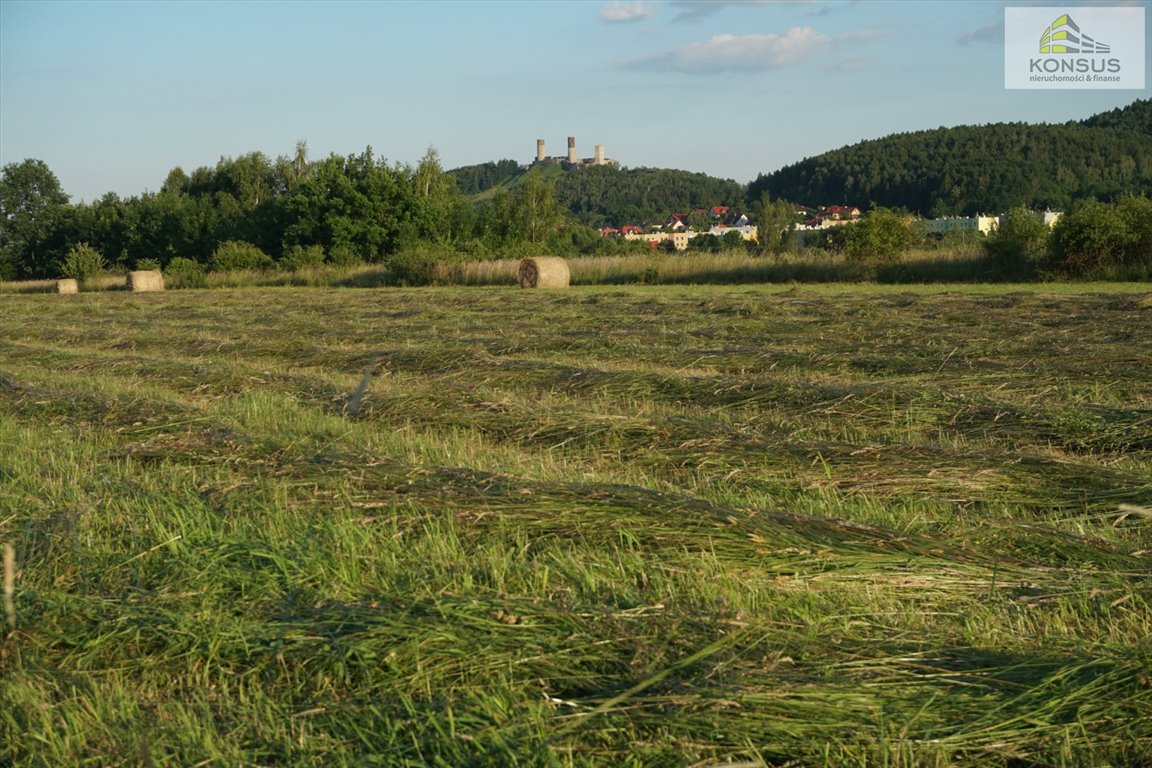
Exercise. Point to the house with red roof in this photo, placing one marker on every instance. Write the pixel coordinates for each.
(840, 212)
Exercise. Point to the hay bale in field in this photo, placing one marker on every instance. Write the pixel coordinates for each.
(544, 272)
(67, 285)
(145, 280)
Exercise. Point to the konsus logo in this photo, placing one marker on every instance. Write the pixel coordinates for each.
(1060, 47)
(1064, 36)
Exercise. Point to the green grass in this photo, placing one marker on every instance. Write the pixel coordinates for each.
(604, 526)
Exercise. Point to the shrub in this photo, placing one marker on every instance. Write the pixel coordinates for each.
(706, 242)
(412, 268)
(82, 262)
(344, 256)
(733, 241)
(233, 255)
(880, 237)
(303, 257)
(834, 239)
(147, 264)
(1098, 239)
(1018, 243)
(185, 273)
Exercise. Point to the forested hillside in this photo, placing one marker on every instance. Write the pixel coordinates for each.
(603, 195)
(474, 179)
(1137, 116)
(970, 169)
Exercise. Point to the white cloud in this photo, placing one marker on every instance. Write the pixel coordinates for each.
(736, 53)
(618, 12)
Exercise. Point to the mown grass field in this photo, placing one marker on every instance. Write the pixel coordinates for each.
(843, 526)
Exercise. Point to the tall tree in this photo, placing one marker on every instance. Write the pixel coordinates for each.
(31, 205)
(774, 221)
(436, 200)
(535, 210)
(288, 172)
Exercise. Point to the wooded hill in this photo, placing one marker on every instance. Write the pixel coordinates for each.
(943, 172)
(970, 169)
(603, 195)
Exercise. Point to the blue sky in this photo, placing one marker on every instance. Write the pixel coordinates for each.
(113, 95)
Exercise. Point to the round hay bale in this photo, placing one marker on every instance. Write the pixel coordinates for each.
(145, 280)
(544, 272)
(67, 285)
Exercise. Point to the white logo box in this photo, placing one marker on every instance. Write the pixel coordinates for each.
(1056, 47)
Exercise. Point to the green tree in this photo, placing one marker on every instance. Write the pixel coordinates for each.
(533, 212)
(774, 223)
(585, 241)
(1020, 241)
(177, 182)
(353, 204)
(31, 206)
(436, 201)
(698, 221)
(461, 219)
(705, 242)
(1097, 238)
(160, 226)
(880, 237)
(732, 240)
(107, 227)
(81, 262)
(290, 171)
(1137, 212)
(473, 179)
(249, 178)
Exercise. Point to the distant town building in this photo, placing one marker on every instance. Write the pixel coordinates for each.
(948, 224)
(826, 217)
(747, 231)
(981, 223)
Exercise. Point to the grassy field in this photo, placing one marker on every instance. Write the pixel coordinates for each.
(841, 526)
(958, 264)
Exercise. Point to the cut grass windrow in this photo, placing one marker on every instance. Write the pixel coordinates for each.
(594, 527)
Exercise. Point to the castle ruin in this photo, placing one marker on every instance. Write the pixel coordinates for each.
(571, 160)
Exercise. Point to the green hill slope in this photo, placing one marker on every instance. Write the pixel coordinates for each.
(971, 169)
(603, 195)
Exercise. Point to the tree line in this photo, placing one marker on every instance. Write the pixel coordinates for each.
(290, 211)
